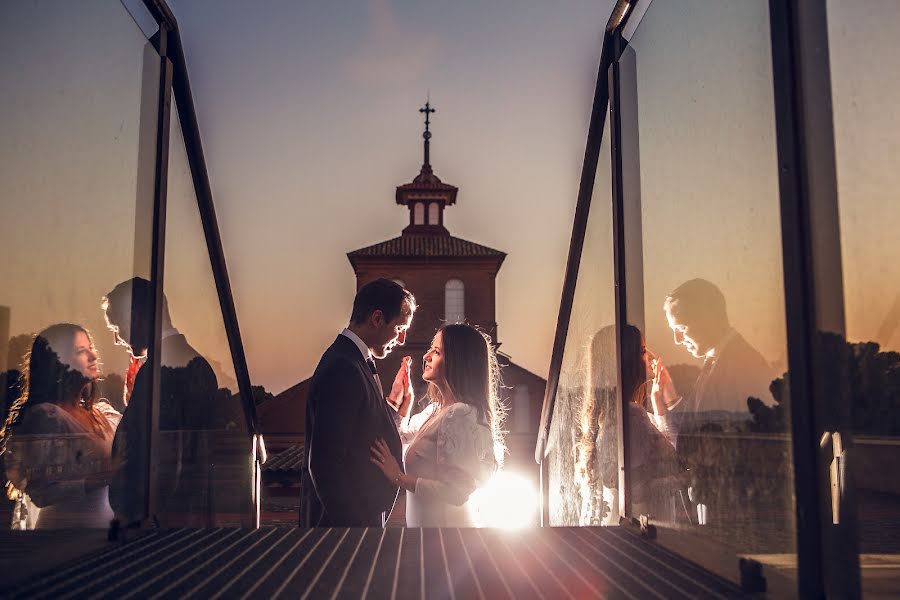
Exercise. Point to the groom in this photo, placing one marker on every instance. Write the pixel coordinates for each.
(347, 411)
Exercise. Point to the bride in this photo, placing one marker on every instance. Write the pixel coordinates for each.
(57, 439)
(456, 443)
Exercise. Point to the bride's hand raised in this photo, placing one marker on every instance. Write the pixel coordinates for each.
(401, 396)
(663, 394)
(383, 459)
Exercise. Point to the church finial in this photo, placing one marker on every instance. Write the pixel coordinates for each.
(427, 135)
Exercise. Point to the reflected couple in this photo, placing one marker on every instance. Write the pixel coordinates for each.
(72, 460)
(57, 439)
(690, 459)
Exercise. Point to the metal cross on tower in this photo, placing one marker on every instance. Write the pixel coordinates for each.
(427, 135)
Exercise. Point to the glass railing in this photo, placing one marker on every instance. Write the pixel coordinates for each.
(93, 429)
(582, 445)
(204, 438)
(76, 180)
(713, 284)
(865, 92)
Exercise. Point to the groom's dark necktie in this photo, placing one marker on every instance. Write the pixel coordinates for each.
(371, 362)
(701, 383)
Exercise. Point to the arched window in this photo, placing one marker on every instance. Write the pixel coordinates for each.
(433, 216)
(419, 214)
(521, 409)
(454, 301)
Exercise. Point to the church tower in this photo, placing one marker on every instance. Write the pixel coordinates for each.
(453, 280)
(426, 196)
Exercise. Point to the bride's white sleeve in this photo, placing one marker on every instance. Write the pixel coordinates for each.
(465, 457)
(664, 425)
(106, 409)
(409, 426)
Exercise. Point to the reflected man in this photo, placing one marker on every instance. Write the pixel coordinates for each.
(186, 402)
(732, 369)
(726, 485)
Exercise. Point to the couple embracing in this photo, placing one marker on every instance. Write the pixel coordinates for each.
(355, 463)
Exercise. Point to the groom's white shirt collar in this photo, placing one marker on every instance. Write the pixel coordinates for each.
(363, 349)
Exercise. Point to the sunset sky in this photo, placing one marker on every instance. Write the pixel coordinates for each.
(309, 117)
(310, 120)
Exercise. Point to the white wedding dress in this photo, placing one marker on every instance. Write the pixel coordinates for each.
(452, 454)
(54, 453)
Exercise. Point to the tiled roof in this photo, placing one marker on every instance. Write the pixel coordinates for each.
(285, 461)
(427, 181)
(413, 245)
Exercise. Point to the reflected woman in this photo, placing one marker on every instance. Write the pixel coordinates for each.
(651, 443)
(455, 443)
(57, 439)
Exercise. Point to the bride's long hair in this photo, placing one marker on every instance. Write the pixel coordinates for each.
(47, 378)
(599, 412)
(473, 377)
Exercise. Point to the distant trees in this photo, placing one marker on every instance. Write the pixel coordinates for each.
(10, 389)
(18, 347)
(11, 381)
(875, 390)
(869, 377)
(260, 394)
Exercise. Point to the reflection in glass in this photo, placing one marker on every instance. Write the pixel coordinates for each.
(57, 438)
(734, 376)
(576, 480)
(730, 388)
(865, 78)
(187, 401)
(654, 485)
(713, 284)
(204, 466)
(77, 160)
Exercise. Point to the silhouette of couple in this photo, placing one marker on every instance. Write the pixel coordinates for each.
(72, 460)
(667, 431)
(354, 462)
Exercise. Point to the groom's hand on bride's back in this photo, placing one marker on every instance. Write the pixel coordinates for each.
(402, 395)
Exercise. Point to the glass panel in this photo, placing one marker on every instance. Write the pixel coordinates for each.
(713, 289)
(77, 164)
(204, 455)
(865, 96)
(583, 444)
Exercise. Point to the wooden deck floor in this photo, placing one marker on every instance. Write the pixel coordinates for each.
(376, 563)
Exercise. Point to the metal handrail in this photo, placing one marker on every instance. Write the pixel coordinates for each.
(187, 116)
(619, 18)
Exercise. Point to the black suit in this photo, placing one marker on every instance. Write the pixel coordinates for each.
(345, 414)
(187, 401)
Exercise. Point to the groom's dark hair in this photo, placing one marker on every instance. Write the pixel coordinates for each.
(384, 295)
